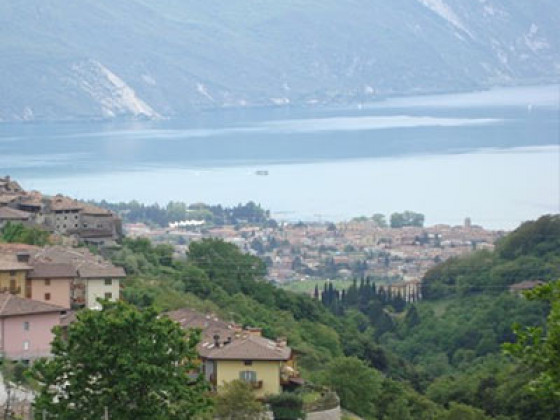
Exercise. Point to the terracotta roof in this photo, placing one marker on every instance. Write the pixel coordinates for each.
(94, 271)
(59, 203)
(52, 270)
(95, 210)
(16, 247)
(8, 198)
(209, 324)
(248, 347)
(12, 305)
(234, 343)
(87, 264)
(7, 213)
(9, 262)
(33, 198)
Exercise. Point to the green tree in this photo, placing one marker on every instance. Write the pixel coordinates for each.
(236, 401)
(539, 348)
(357, 385)
(133, 362)
(464, 412)
(287, 406)
(379, 220)
(407, 218)
(18, 233)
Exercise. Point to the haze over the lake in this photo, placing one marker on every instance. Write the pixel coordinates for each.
(492, 156)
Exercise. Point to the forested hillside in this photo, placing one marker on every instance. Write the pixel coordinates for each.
(441, 358)
(144, 59)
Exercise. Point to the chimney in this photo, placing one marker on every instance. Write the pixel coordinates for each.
(281, 342)
(217, 340)
(23, 257)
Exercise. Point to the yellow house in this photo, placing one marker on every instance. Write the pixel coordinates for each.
(229, 352)
(267, 365)
(13, 273)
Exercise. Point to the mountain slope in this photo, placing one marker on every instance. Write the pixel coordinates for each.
(100, 59)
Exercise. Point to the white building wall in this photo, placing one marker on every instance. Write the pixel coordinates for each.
(97, 289)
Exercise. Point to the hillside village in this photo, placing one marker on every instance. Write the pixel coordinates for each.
(42, 287)
(45, 287)
(296, 252)
(76, 221)
(62, 278)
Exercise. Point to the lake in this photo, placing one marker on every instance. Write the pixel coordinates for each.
(493, 156)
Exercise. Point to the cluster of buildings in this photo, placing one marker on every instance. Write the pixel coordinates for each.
(42, 287)
(39, 286)
(298, 252)
(83, 222)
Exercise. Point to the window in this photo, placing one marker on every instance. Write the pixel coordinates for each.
(12, 273)
(64, 226)
(26, 325)
(248, 363)
(248, 376)
(47, 282)
(76, 225)
(26, 345)
(47, 296)
(108, 296)
(108, 282)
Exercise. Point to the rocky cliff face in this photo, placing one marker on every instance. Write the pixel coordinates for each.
(146, 59)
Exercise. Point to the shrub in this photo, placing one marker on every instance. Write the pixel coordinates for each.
(286, 406)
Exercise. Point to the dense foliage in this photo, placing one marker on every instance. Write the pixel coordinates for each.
(539, 349)
(407, 218)
(154, 214)
(236, 401)
(531, 252)
(286, 406)
(439, 358)
(131, 363)
(19, 233)
(218, 277)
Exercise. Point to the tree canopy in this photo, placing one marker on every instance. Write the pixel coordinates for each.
(236, 401)
(18, 233)
(407, 218)
(539, 348)
(132, 363)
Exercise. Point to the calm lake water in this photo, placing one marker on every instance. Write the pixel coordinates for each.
(493, 156)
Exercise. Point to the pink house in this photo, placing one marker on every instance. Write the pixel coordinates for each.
(26, 327)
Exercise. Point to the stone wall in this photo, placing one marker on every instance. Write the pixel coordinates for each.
(333, 414)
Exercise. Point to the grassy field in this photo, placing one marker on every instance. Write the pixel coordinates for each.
(308, 286)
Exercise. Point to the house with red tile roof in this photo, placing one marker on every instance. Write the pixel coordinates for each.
(229, 352)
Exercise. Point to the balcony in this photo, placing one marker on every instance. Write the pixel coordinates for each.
(256, 384)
